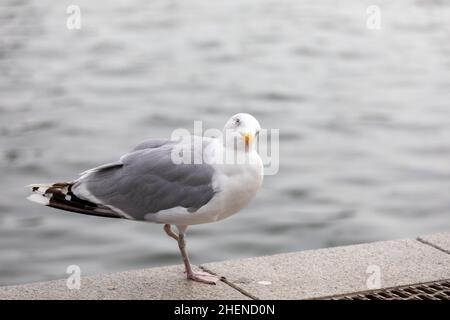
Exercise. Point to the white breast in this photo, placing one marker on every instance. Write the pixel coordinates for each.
(238, 184)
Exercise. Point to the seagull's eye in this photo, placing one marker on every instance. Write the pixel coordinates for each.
(237, 121)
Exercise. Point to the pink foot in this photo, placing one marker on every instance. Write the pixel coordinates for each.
(204, 277)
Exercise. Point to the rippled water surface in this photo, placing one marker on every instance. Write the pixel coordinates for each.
(364, 120)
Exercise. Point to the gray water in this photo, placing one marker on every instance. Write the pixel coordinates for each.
(364, 121)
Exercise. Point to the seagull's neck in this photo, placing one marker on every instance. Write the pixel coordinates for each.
(239, 149)
(238, 156)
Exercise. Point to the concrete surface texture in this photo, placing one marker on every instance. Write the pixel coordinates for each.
(440, 241)
(157, 283)
(299, 275)
(325, 272)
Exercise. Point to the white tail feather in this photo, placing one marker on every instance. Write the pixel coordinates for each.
(39, 199)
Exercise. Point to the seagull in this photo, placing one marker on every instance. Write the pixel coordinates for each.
(158, 182)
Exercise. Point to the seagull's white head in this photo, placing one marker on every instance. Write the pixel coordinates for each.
(241, 130)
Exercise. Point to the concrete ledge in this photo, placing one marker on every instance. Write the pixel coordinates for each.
(167, 283)
(340, 270)
(298, 275)
(440, 241)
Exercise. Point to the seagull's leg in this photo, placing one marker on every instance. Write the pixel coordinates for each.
(170, 233)
(203, 277)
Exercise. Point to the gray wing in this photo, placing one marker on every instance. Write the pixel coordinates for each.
(153, 143)
(147, 181)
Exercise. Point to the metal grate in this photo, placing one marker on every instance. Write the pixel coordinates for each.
(438, 290)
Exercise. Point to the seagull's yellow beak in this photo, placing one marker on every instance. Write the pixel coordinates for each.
(248, 138)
